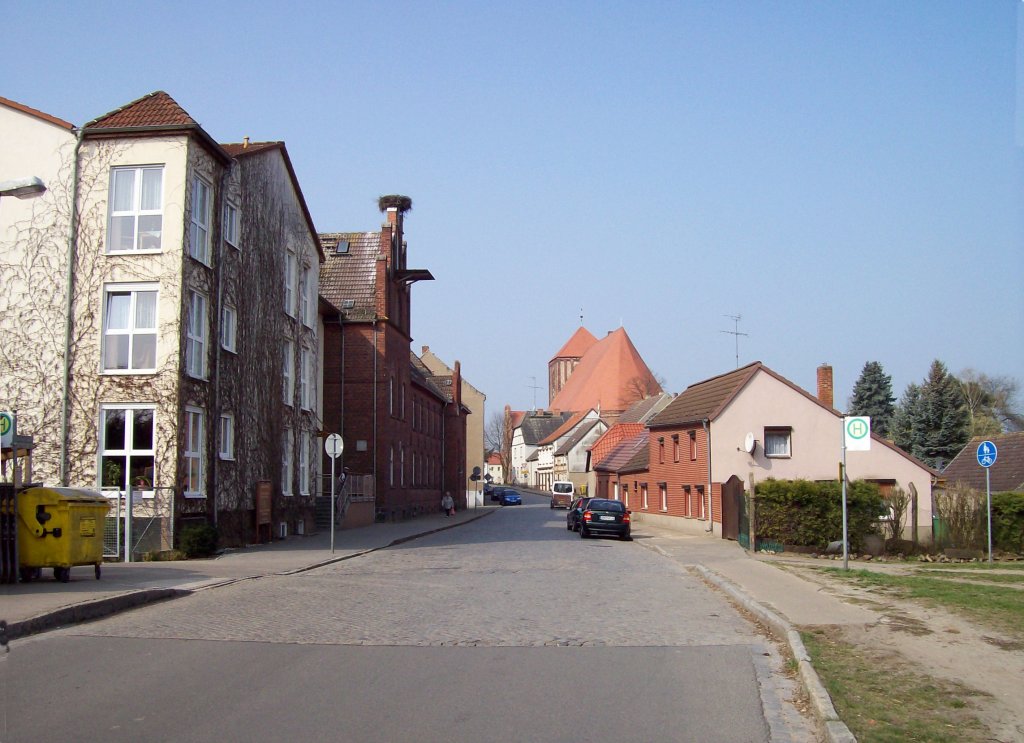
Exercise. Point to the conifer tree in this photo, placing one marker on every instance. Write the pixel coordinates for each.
(932, 421)
(872, 396)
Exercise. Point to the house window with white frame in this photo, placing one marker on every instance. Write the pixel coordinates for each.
(304, 295)
(199, 228)
(305, 379)
(195, 345)
(231, 224)
(127, 447)
(135, 219)
(228, 328)
(304, 463)
(675, 447)
(693, 446)
(663, 487)
(778, 442)
(643, 495)
(290, 269)
(227, 436)
(287, 443)
(193, 452)
(288, 371)
(129, 327)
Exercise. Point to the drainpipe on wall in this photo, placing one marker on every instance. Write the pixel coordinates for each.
(707, 438)
(69, 313)
(376, 353)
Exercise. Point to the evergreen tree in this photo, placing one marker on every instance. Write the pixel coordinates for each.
(872, 396)
(932, 421)
(904, 427)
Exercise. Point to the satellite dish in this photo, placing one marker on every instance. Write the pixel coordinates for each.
(748, 443)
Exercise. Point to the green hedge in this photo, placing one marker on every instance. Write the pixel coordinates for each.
(198, 540)
(1008, 522)
(803, 513)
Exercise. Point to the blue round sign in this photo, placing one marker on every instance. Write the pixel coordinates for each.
(987, 453)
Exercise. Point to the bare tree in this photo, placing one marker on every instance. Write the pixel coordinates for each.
(899, 503)
(992, 402)
(640, 388)
(961, 507)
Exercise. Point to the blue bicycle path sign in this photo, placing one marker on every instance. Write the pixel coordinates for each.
(987, 453)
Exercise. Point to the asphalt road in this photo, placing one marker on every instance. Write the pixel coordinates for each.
(509, 628)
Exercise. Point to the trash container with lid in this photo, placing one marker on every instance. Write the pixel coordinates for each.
(59, 528)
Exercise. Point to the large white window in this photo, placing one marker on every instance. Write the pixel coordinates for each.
(195, 346)
(227, 436)
(291, 264)
(288, 371)
(129, 328)
(199, 229)
(193, 453)
(228, 328)
(306, 379)
(126, 448)
(286, 462)
(135, 220)
(304, 296)
(304, 464)
(231, 224)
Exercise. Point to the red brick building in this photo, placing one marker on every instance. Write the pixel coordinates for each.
(399, 424)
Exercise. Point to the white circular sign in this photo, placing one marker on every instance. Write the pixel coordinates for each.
(334, 446)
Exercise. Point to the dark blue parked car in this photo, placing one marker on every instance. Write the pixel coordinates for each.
(510, 497)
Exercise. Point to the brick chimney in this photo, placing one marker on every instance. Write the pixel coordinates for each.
(825, 385)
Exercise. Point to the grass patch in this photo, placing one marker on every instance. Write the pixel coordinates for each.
(998, 607)
(974, 575)
(885, 704)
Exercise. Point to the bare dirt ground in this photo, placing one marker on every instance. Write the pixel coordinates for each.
(940, 644)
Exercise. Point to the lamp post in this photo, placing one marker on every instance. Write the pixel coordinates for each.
(23, 188)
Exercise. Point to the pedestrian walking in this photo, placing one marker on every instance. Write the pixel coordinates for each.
(448, 504)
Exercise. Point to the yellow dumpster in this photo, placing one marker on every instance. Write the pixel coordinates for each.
(59, 528)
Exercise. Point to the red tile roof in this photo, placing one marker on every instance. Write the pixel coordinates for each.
(156, 109)
(349, 279)
(606, 377)
(37, 113)
(624, 453)
(580, 342)
(611, 438)
(151, 114)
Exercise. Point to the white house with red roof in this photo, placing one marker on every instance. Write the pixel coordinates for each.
(186, 355)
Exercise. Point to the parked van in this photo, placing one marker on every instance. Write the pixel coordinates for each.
(562, 494)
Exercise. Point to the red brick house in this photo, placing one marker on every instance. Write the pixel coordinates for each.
(398, 425)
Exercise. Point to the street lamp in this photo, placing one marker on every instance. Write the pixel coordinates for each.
(23, 188)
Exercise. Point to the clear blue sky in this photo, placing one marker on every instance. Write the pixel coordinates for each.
(847, 176)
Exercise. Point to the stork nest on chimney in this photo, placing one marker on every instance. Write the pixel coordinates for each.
(402, 203)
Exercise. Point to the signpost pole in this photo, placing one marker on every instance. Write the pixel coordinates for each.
(846, 551)
(333, 446)
(988, 499)
(332, 505)
(987, 454)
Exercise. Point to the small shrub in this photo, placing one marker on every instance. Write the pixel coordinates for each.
(1008, 521)
(198, 540)
(962, 509)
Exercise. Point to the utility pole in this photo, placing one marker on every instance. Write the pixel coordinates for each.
(735, 332)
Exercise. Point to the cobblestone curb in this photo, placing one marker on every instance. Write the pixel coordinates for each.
(835, 729)
(90, 610)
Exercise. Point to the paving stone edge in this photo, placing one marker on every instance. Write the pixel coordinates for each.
(835, 729)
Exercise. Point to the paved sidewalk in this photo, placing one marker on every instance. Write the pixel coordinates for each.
(44, 604)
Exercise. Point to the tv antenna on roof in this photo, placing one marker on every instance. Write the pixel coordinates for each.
(736, 333)
(534, 387)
